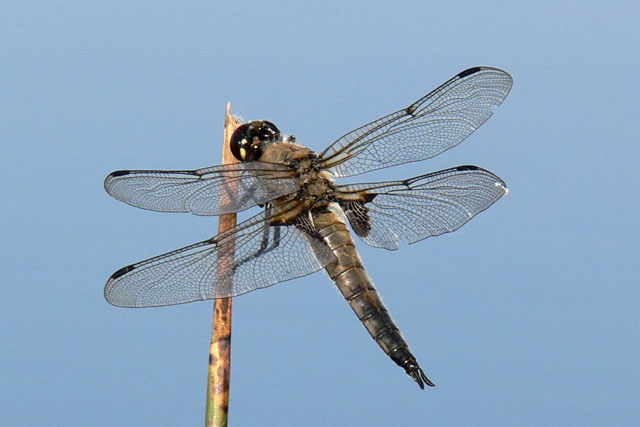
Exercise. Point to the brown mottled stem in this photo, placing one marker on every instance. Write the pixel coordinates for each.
(220, 350)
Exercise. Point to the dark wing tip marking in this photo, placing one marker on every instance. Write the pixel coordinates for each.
(469, 71)
(122, 272)
(499, 182)
(467, 168)
(118, 173)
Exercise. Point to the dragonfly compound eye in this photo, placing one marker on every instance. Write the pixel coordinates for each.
(248, 139)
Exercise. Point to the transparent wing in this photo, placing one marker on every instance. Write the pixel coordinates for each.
(208, 191)
(250, 256)
(437, 122)
(419, 207)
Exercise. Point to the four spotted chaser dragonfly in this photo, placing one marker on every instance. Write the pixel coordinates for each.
(301, 227)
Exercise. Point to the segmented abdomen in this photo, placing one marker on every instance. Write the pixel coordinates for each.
(348, 272)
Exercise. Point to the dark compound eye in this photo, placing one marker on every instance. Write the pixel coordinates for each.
(248, 139)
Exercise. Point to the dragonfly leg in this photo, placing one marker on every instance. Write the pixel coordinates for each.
(266, 245)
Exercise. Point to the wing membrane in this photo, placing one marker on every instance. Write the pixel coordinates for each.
(250, 256)
(420, 207)
(435, 123)
(208, 191)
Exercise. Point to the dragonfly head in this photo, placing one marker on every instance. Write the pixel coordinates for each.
(249, 139)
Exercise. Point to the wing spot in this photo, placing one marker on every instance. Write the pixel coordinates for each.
(467, 168)
(122, 271)
(469, 71)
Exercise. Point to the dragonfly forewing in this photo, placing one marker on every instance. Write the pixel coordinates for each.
(209, 191)
(435, 123)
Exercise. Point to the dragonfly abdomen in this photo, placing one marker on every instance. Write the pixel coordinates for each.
(348, 272)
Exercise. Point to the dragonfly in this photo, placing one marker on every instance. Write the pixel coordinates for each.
(302, 226)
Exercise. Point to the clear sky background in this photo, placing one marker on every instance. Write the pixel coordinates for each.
(528, 315)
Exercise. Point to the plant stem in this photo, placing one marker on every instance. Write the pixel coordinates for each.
(220, 350)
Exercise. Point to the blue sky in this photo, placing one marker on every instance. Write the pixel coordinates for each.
(528, 315)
